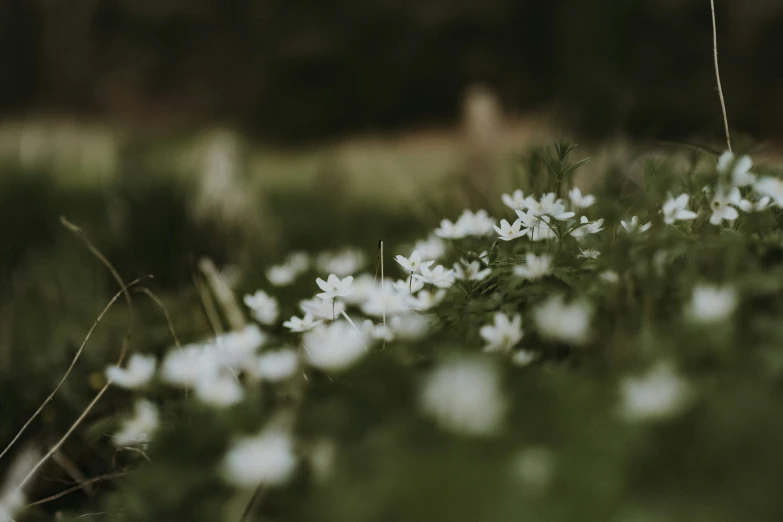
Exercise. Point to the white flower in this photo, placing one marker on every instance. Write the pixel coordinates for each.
(508, 232)
(586, 227)
(633, 226)
(721, 206)
(189, 365)
(589, 253)
(409, 326)
(659, 394)
(334, 347)
(470, 271)
(407, 286)
(377, 332)
(12, 496)
(303, 324)
(136, 374)
(738, 169)
(535, 267)
(515, 201)
(344, 263)
(711, 304)
(263, 306)
(139, 428)
(232, 349)
(610, 276)
(334, 286)
(463, 395)
(548, 205)
(281, 275)
(438, 276)
(772, 187)
(540, 229)
(676, 209)
(413, 263)
(580, 201)
(431, 248)
(387, 300)
(449, 230)
(268, 459)
(320, 309)
(567, 323)
(298, 261)
(276, 366)
(762, 203)
(503, 334)
(220, 390)
(523, 357)
(424, 300)
(475, 223)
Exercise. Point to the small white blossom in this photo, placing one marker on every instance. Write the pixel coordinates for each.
(711, 304)
(334, 286)
(676, 209)
(438, 276)
(449, 230)
(657, 395)
(431, 248)
(470, 271)
(586, 227)
(377, 332)
(535, 267)
(589, 254)
(610, 276)
(414, 263)
(321, 309)
(721, 205)
(523, 357)
(188, 365)
(508, 232)
(281, 275)
(334, 347)
(139, 428)
(12, 496)
(464, 396)
(264, 307)
(475, 223)
(515, 201)
(388, 300)
(759, 205)
(425, 300)
(220, 390)
(408, 286)
(737, 169)
(136, 374)
(301, 324)
(232, 349)
(276, 366)
(539, 227)
(409, 326)
(503, 334)
(580, 201)
(633, 226)
(567, 323)
(268, 459)
(298, 261)
(343, 263)
(548, 205)
(772, 187)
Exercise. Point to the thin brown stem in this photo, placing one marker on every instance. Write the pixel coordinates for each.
(717, 75)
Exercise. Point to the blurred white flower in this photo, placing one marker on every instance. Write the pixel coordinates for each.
(759, 205)
(587, 227)
(298, 261)
(232, 349)
(737, 169)
(656, 395)
(414, 263)
(409, 326)
(377, 332)
(515, 201)
(408, 286)
(449, 230)
(343, 263)
(633, 226)
(567, 323)
(267, 459)
(276, 366)
(334, 286)
(430, 248)
(503, 334)
(589, 254)
(321, 309)
(610, 276)
(472, 271)
(302, 324)
(535, 267)
(772, 187)
(538, 226)
(281, 275)
(188, 365)
(264, 307)
(387, 300)
(322, 456)
(508, 232)
(137, 373)
(438, 276)
(334, 347)
(463, 395)
(721, 206)
(580, 201)
(425, 300)
(548, 205)
(475, 223)
(676, 209)
(523, 357)
(12, 497)
(711, 303)
(219, 390)
(139, 428)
